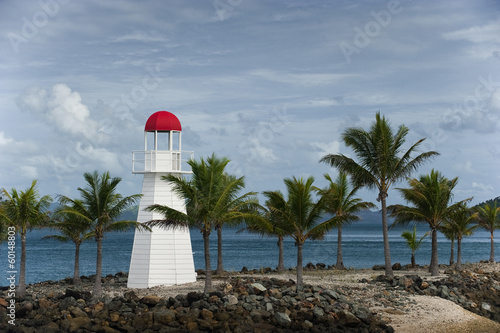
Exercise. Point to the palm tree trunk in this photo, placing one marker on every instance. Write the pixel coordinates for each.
(220, 267)
(492, 253)
(458, 267)
(434, 269)
(413, 264)
(97, 292)
(452, 252)
(21, 288)
(340, 261)
(281, 261)
(385, 232)
(299, 266)
(76, 275)
(208, 269)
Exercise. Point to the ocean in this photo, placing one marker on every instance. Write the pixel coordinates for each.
(362, 248)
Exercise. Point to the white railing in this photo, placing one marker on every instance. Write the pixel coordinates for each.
(160, 161)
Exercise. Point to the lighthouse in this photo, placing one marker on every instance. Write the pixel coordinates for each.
(162, 256)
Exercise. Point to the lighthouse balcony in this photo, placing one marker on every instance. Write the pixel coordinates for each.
(145, 161)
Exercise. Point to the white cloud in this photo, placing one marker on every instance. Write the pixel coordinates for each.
(482, 186)
(4, 140)
(321, 149)
(259, 153)
(306, 79)
(465, 167)
(29, 171)
(489, 32)
(495, 101)
(140, 36)
(61, 109)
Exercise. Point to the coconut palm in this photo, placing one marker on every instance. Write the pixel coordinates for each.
(24, 211)
(72, 228)
(382, 162)
(3, 229)
(413, 242)
(302, 215)
(247, 203)
(341, 201)
(448, 232)
(100, 205)
(211, 197)
(461, 223)
(489, 219)
(430, 196)
(268, 223)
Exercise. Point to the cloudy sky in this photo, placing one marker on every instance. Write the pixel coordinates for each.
(269, 84)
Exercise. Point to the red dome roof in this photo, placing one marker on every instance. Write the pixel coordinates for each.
(163, 121)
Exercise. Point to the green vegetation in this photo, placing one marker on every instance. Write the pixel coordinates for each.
(212, 197)
(213, 200)
(99, 206)
(341, 201)
(381, 163)
(430, 198)
(460, 223)
(489, 219)
(74, 228)
(268, 222)
(300, 214)
(413, 242)
(24, 211)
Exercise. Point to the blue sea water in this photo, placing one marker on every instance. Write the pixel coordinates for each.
(362, 248)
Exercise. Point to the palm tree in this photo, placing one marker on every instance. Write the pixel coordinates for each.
(448, 232)
(413, 242)
(100, 206)
(489, 219)
(430, 196)
(72, 228)
(3, 229)
(340, 201)
(244, 204)
(24, 210)
(382, 162)
(268, 223)
(460, 223)
(301, 213)
(210, 198)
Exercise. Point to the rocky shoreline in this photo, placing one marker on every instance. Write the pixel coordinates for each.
(252, 301)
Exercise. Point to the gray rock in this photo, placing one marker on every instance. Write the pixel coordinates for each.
(258, 287)
(283, 319)
(486, 307)
(49, 328)
(66, 303)
(318, 312)
(330, 293)
(432, 290)
(444, 292)
(350, 319)
(307, 325)
(163, 317)
(77, 312)
(269, 307)
(231, 300)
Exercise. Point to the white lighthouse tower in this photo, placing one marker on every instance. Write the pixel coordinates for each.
(163, 256)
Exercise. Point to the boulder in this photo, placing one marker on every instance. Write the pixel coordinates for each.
(283, 319)
(163, 317)
(258, 288)
(150, 300)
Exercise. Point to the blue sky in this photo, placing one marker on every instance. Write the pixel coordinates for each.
(269, 84)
